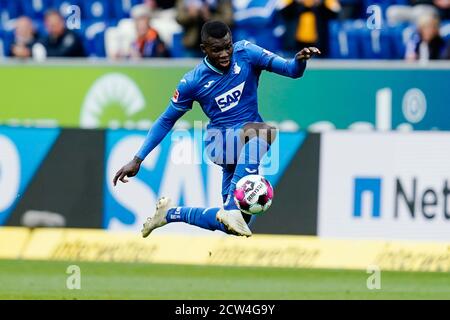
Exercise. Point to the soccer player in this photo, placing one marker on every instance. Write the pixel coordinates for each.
(225, 85)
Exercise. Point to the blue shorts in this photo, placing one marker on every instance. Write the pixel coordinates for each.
(223, 145)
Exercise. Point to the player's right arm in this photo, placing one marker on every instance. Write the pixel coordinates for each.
(180, 103)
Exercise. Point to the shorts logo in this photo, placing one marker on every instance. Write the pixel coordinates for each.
(231, 98)
(176, 94)
(251, 171)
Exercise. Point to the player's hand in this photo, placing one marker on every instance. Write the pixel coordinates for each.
(307, 53)
(129, 170)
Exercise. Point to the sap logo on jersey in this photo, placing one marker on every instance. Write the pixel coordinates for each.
(231, 98)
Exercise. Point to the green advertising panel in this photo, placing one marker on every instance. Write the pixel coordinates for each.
(99, 96)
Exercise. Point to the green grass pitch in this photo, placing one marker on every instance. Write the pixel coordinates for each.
(47, 280)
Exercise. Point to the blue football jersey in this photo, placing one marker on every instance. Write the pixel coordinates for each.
(229, 98)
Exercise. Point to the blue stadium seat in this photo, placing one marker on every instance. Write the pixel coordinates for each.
(7, 40)
(94, 38)
(334, 27)
(398, 40)
(344, 41)
(263, 37)
(35, 9)
(97, 10)
(9, 10)
(2, 46)
(177, 50)
(382, 3)
(62, 6)
(376, 44)
(121, 8)
(99, 45)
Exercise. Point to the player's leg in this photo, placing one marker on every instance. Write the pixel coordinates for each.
(205, 218)
(214, 218)
(228, 173)
(166, 213)
(257, 138)
(233, 219)
(227, 176)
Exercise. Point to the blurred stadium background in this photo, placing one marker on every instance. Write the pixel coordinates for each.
(361, 180)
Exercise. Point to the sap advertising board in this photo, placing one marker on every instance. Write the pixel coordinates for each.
(390, 186)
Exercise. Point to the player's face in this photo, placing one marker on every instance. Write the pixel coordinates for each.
(219, 51)
(55, 25)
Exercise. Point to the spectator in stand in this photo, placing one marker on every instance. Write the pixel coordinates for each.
(411, 13)
(350, 9)
(444, 8)
(148, 44)
(163, 19)
(160, 4)
(307, 23)
(24, 38)
(427, 44)
(446, 53)
(192, 14)
(60, 42)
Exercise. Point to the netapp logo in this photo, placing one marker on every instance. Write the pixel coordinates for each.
(429, 202)
(367, 190)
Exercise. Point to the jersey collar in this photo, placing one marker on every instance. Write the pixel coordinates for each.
(211, 66)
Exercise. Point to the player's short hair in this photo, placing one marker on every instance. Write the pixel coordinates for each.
(215, 29)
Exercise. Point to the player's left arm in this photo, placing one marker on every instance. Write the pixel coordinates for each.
(293, 68)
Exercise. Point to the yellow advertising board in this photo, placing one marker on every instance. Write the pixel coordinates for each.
(12, 241)
(259, 250)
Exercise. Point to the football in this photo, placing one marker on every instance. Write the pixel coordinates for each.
(253, 194)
